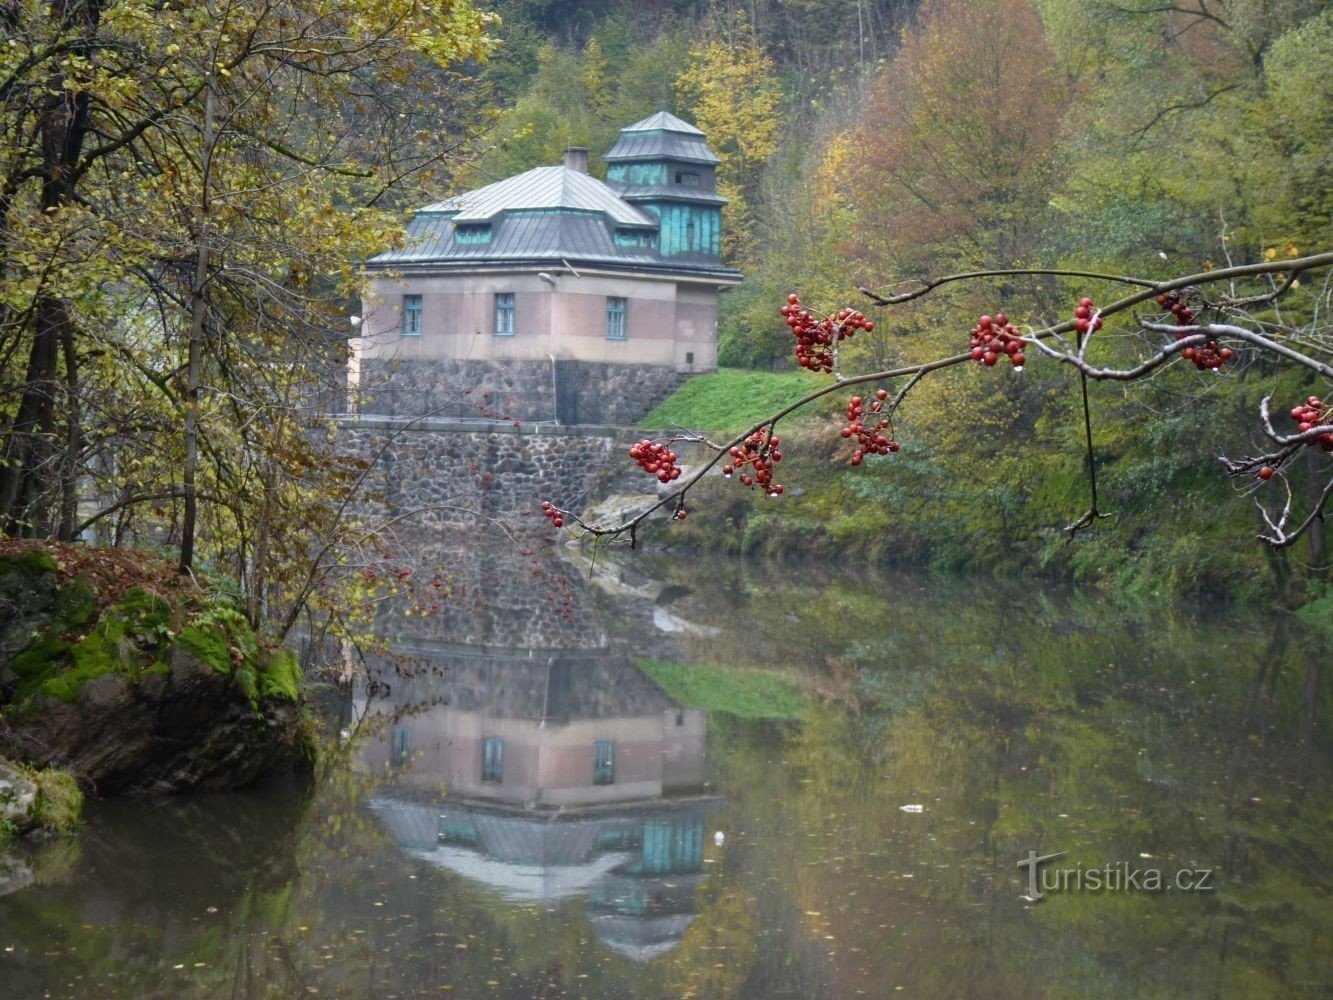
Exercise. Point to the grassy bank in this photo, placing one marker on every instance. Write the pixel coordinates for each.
(730, 400)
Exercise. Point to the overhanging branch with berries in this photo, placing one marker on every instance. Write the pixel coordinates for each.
(1202, 331)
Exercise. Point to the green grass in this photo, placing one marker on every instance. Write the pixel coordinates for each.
(749, 694)
(731, 400)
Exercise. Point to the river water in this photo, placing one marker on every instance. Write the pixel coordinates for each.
(684, 777)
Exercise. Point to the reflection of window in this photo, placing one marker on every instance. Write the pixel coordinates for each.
(411, 315)
(615, 319)
(402, 745)
(504, 314)
(492, 759)
(457, 829)
(604, 766)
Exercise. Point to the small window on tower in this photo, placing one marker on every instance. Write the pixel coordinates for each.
(687, 178)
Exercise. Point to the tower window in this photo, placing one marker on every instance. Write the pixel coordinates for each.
(687, 178)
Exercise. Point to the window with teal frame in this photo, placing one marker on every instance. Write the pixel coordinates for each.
(411, 315)
(615, 319)
(604, 765)
(492, 759)
(472, 233)
(504, 314)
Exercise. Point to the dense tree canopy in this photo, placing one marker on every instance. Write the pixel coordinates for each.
(187, 192)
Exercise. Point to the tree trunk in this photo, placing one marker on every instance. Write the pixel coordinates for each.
(198, 318)
(35, 471)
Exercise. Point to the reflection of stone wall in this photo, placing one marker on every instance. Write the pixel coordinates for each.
(523, 683)
(571, 392)
(496, 470)
(495, 592)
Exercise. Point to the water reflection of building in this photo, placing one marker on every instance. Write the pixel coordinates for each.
(549, 775)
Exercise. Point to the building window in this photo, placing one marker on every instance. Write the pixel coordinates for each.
(634, 238)
(411, 315)
(504, 314)
(687, 178)
(492, 759)
(615, 319)
(472, 233)
(402, 746)
(604, 765)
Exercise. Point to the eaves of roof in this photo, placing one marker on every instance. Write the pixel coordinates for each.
(641, 193)
(660, 146)
(675, 270)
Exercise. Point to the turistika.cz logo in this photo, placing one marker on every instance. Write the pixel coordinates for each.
(1114, 876)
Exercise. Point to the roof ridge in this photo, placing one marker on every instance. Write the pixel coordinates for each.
(665, 121)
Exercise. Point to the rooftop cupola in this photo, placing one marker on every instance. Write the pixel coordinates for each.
(663, 166)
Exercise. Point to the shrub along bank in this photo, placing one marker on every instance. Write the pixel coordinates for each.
(994, 506)
(136, 679)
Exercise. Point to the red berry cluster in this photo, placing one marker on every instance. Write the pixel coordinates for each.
(1312, 414)
(656, 460)
(869, 440)
(553, 512)
(1175, 304)
(993, 337)
(1086, 319)
(760, 457)
(815, 337)
(1210, 355)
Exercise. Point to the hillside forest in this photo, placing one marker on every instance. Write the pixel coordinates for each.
(866, 144)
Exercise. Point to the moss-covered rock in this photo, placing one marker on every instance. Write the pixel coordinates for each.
(136, 682)
(31, 800)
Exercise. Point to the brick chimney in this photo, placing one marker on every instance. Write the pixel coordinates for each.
(576, 158)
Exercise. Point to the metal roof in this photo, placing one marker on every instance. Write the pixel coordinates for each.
(541, 236)
(674, 192)
(542, 188)
(553, 214)
(664, 121)
(520, 236)
(661, 136)
(661, 146)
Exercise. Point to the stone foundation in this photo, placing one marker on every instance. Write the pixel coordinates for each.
(564, 392)
(492, 469)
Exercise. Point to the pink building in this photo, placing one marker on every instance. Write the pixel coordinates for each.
(556, 286)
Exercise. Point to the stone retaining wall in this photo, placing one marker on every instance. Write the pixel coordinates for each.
(567, 392)
(461, 469)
